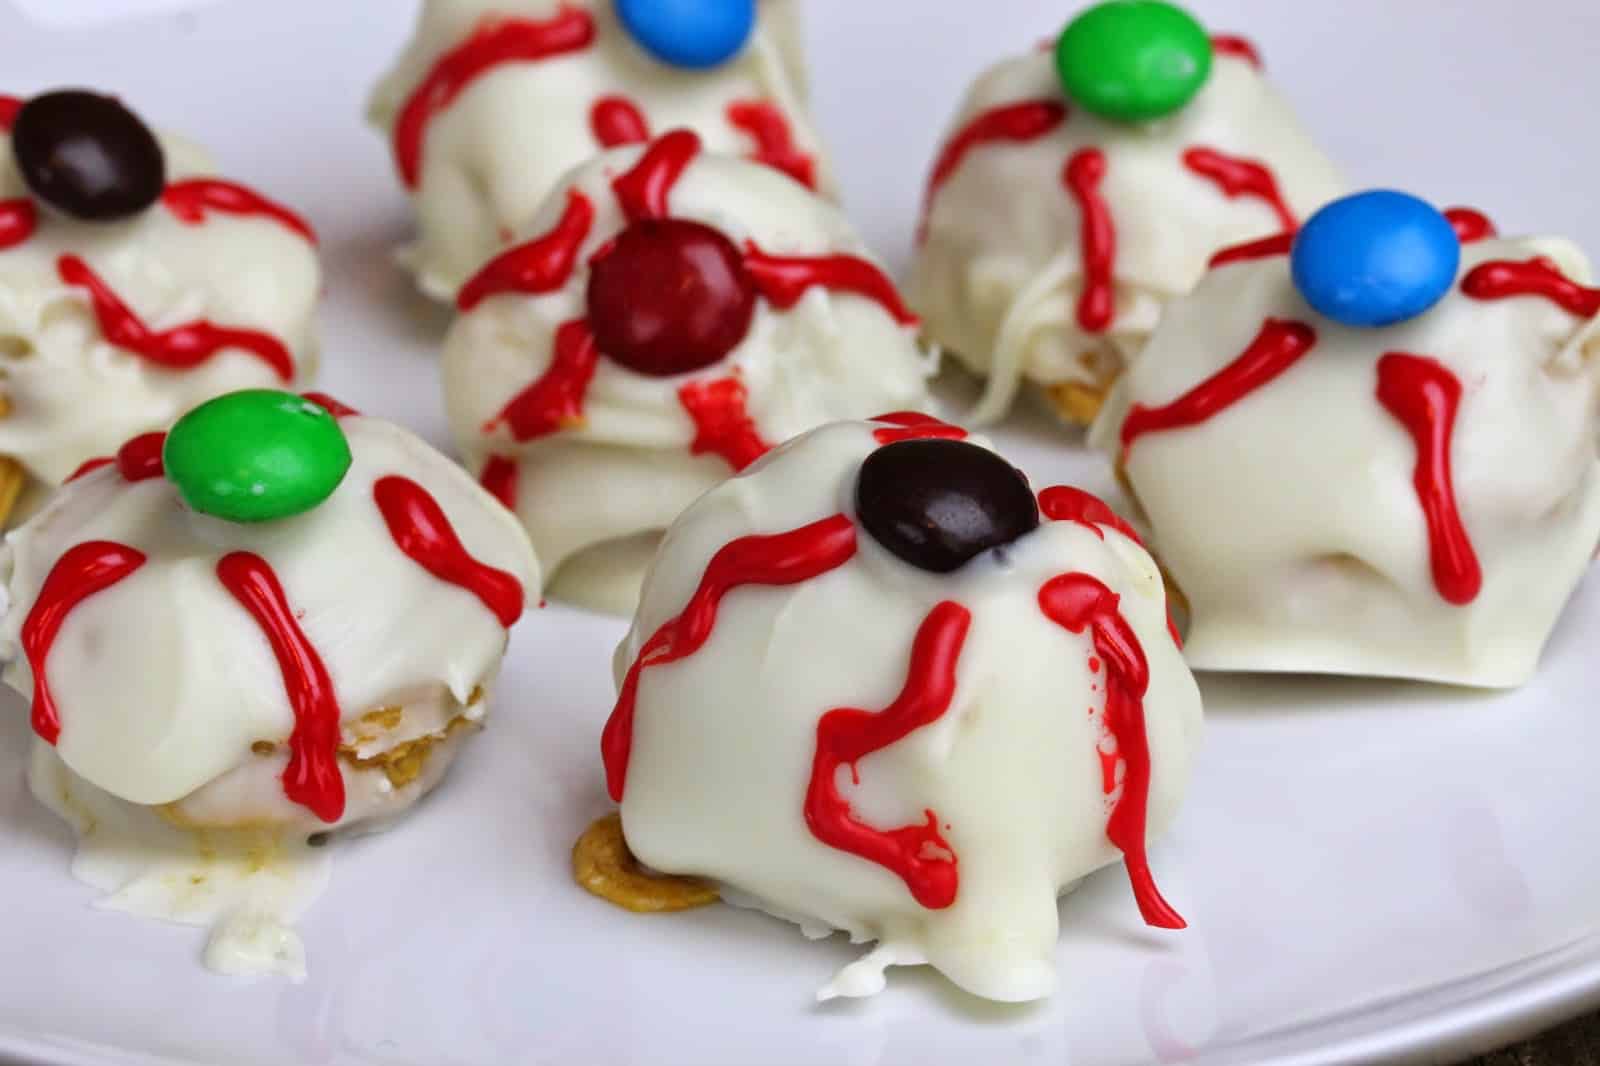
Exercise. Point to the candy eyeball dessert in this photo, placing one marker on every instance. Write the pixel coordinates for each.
(493, 101)
(1371, 449)
(668, 317)
(277, 620)
(875, 685)
(1084, 185)
(134, 284)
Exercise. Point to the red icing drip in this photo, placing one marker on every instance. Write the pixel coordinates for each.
(312, 778)
(90, 466)
(494, 42)
(331, 405)
(555, 400)
(1278, 346)
(1424, 396)
(422, 531)
(80, 573)
(1265, 248)
(1470, 225)
(499, 477)
(1227, 44)
(1082, 176)
(541, 265)
(1077, 602)
(1500, 279)
(644, 191)
(769, 128)
(18, 220)
(9, 106)
(722, 425)
(779, 559)
(917, 854)
(914, 425)
(190, 200)
(179, 348)
(1238, 177)
(1064, 503)
(140, 458)
(616, 120)
(783, 280)
(1011, 124)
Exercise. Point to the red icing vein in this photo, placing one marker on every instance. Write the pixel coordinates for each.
(1278, 346)
(555, 400)
(190, 200)
(1011, 124)
(1077, 602)
(312, 778)
(1499, 279)
(645, 190)
(723, 426)
(499, 477)
(541, 265)
(914, 425)
(1238, 177)
(616, 120)
(1469, 225)
(330, 405)
(783, 280)
(917, 854)
(1227, 44)
(1082, 176)
(9, 106)
(18, 219)
(140, 458)
(179, 348)
(769, 128)
(1265, 248)
(496, 41)
(1424, 396)
(778, 559)
(1064, 503)
(80, 573)
(422, 531)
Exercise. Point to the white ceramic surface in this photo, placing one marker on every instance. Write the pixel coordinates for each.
(1373, 871)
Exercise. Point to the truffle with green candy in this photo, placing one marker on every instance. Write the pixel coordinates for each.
(256, 456)
(1133, 60)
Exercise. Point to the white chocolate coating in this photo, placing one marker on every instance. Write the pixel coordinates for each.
(724, 740)
(174, 711)
(1291, 521)
(626, 472)
(491, 158)
(999, 275)
(73, 394)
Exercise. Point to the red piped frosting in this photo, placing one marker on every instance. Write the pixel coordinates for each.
(331, 405)
(1079, 603)
(1227, 44)
(773, 560)
(1500, 279)
(189, 201)
(1084, 172)
(312, 778)
(422, 531)
(1017, 123)
(179, 348)
(542, 265)
(18, 219)
(140, 458)
(645, 190)
(83, 571)
(555, 400)
(916, 854)
(775, 146)
(723, 426)
(1280, 345)
(9, 106)
(1424, 396)
(616, 120)
(1238, 177)
(495, 42)
(783, 280)
(499, 478)
(1065, 503)
(1265, 248)
(914, 425)
(1469, 225)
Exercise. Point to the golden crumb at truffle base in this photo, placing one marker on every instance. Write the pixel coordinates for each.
(1077, 403)
(12, 481)
(603, 865)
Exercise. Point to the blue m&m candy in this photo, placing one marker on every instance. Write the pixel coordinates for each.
(1375, 258)
(696, 34)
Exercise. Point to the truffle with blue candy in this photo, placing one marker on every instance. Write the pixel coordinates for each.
(1368, 448)
(492, 102)
(1082, 187)
(276, 620)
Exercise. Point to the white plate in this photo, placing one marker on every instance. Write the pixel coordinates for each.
(1371, 870)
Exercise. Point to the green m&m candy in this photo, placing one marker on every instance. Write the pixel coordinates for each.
(256, 455)
(1133, 60)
